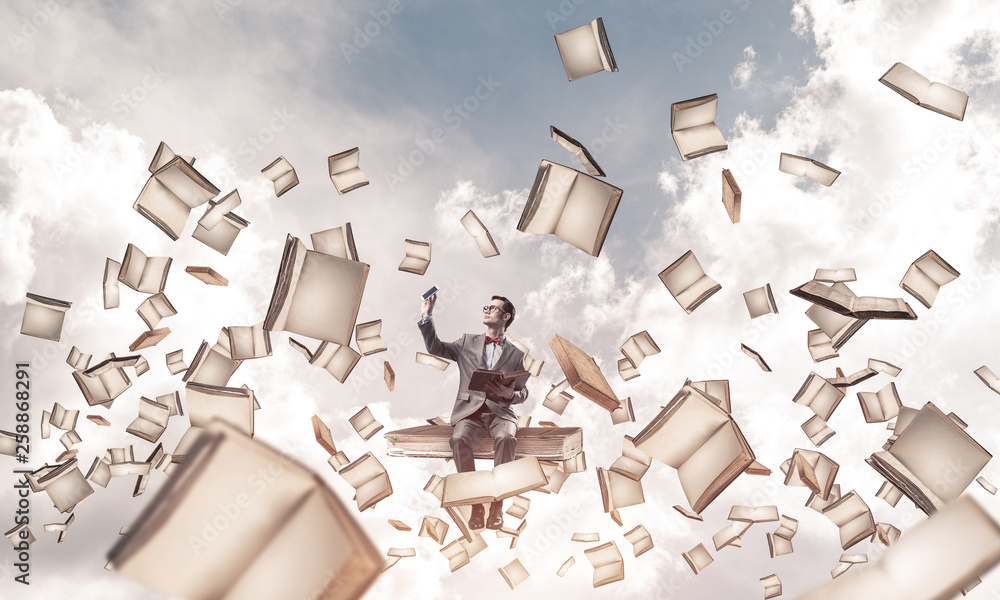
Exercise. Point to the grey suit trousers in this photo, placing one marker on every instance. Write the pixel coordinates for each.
(471, 428)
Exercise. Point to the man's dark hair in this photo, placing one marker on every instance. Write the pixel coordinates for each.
(506, 307)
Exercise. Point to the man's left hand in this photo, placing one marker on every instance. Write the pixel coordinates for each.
(503, 391)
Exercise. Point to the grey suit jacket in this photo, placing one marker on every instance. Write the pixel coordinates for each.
(467, 352)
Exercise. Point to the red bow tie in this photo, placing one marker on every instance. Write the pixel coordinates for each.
(496, 340)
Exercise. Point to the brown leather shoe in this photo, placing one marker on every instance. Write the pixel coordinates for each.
(496, 516)
(478, 515)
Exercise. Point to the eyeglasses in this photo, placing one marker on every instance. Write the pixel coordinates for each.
(489, 308)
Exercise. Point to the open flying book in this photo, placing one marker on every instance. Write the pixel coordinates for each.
(282, 174)
(925, 277)
(261, 553)
(922, 460)
(801, 166)
(504, 481)
(316, 295)
(918, 89)
(692, 125)
(838, 327)
(571, 205)
(859, 307)
(578, 150)
(700, 440)
(222, 234)
(853, 517)
(418, 257)
(345, 172)
(484, 241)
(688, 283)
(934, 560)
(369, 479)
(171, 192)
(64, 483)
(43, 317)
(585, 50)
(146, 274)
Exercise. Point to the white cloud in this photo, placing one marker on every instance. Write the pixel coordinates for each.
(744, 71)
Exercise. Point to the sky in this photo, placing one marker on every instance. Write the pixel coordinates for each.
(450, 105)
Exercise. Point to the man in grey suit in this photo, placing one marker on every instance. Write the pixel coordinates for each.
(476, 413)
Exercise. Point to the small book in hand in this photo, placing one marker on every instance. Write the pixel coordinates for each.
(480, 377)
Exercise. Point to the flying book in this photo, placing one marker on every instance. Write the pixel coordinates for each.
(368, 337)
(817, 430)
(638, 347)
(151, 422)
(504, 481)
(853, 517)
(633, 463)
(921, 461)
(730, 535)
(564, 568)
(514, 573)
(844, 381)
(916, 88)
(481, 377)
(608, 564)
(800, 166)
(365, 424)
(146, 274)
(282, 174)
(531, 365)
(837, 327)
(235, 406)
(698, 558)
(338, 360)
(558, 398)
(585, 50)
(859, 307)
(756, 357)
(261, 553)
(110, 288)
(61, 418)
(732, 196)
(618, 491)
(213, 365)
(43, 317)
(344, 171)
(105, 381)
(624, 413)
(699, 439)
(216, 211)
(316, 295)
(369, 479)
(578, 150)
(519, 507)
(925, 277)
(149, 338)
(155, 308)
(434, 528)
(247, 342)
(586, 537)
(583, 373)
(835, 275)
(432, 361)
(813, 470)
(207, 275)
(935, 560)
(571, 205)
(772, 586)
(881, 406)
(338, 241)
(760, 301)
(484, 241)
(754, 514)
(418, 257)
(224, 233)
(389, 375)
(986, 376)
(692, 125)
(687, 282)
(170, 193)
(64, 483)
(883, 367)
(640, 539)
(164, 155)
